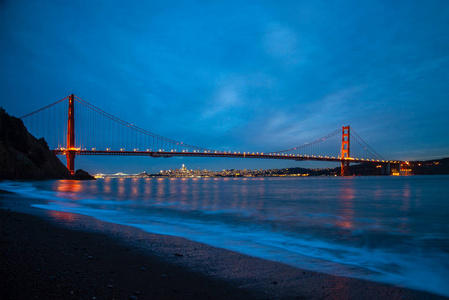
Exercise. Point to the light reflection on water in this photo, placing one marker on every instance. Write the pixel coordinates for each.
(68, 186)
(346, 212)
(268, 198)
(376, 225)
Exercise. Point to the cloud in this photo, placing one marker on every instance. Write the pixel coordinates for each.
(281, 43)
(237, 73)
(292, 125)
(226, 98)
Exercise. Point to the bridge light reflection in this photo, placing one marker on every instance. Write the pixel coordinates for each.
(65, 216)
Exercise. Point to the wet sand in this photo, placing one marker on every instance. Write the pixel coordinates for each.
(57, 255)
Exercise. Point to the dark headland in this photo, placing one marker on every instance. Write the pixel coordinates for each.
(56, 255)
(22, 156)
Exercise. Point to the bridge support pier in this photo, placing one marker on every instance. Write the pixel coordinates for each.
(385, 170)
(345, 168)
(70, 156)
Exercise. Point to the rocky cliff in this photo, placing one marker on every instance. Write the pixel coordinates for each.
(22, 156)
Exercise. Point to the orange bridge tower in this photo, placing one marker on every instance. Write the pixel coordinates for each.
(71, 149)
(345, 134)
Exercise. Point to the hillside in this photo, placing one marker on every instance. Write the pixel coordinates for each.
(22, 156)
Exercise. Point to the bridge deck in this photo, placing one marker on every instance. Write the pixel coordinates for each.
(221, 154)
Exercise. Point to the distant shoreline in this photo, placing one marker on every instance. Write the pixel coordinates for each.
(430, 167)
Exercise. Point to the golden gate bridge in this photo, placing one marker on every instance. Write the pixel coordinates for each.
(97, 132)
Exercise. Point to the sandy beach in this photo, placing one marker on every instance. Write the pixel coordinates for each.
(57, 255)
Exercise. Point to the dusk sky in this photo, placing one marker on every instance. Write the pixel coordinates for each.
(237, 75)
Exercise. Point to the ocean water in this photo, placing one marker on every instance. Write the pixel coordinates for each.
(387, 229)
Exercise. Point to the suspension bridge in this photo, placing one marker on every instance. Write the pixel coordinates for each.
(100, 133)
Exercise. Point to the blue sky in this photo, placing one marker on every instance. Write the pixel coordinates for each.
(256, 75)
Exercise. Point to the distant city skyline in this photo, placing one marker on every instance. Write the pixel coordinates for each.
(237, 75)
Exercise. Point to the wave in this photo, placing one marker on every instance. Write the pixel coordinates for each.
(397, 266)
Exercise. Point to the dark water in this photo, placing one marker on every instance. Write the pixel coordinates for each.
(387, 229)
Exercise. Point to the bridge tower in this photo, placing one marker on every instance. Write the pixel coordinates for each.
(70, 154)
(345, 134)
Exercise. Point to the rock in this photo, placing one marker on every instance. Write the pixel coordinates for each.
(22, 156)
(82, 175)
